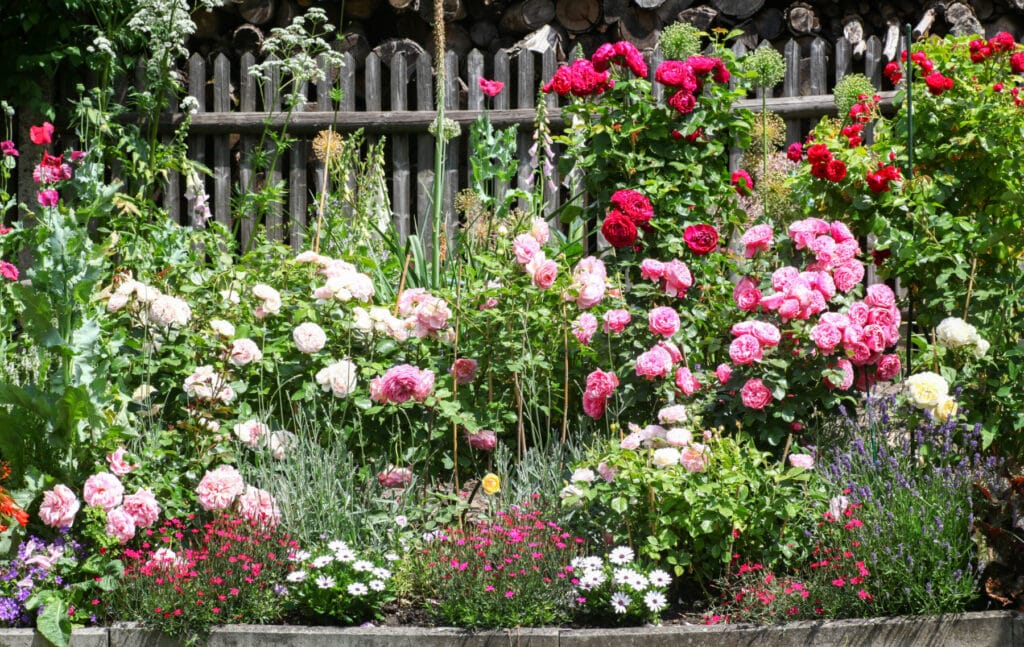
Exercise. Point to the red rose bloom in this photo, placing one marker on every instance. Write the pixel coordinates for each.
(683, 101)
(1002, 42)
(835, 171)
(892, 72)
(560, 83)
(795, 152)
(819, 154)
(701, 239)
(1017, 62)
(634, 204)
(741, 180)
(937, 84)
(489, 87)
(676, 74)
(618, 229)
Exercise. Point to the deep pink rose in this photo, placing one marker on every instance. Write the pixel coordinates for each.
(402, 383)
(651, 270)
(490, 88)
(826, 337)
(766, 333)
(847, 275)
(678, 278)
(745, 349)
(654, 363)
(742, 181)
(663, 321)
(795, 152)
(485, 440)
(758, 237)
(601, 384)
(686, 382)
(593, 406)
(395, 477)
(755, 394)
(615, 321)
(584, 327)
(846, 367)
(723, 372)
(888, 367)
(673, 350)
(634, 204)
(701, 239)
(880, 295)
(543, 273)
(463, 370)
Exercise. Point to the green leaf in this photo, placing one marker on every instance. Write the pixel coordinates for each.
(620, 504)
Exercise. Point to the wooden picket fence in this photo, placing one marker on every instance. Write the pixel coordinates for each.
(395, 100)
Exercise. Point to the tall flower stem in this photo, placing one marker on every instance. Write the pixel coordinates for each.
(440, 140)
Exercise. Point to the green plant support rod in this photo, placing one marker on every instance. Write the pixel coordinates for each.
(440, 139)
(909, 66)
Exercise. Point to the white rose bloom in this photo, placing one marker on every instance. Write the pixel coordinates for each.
(339, 378)
(223, 328)
(666, 457)
(981, 348)
(169, 311)
(927, 389)
(231, 296)
(678, 437)
(200, 383)
(583, 475)
(308, 256)
(144, 293)
(251, 432)
(953, 332)
(144, 391)
(309, 337)
(570, 491)
(270, 297)
(280, 442)
(361, 320)
(673, 415)
(361, 287)
(117, 301)
(244, 351)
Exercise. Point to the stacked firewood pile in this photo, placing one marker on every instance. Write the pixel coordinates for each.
(489, 25)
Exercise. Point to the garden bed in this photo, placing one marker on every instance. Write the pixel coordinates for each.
(996, 628)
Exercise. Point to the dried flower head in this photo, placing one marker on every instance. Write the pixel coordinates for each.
(328, 146)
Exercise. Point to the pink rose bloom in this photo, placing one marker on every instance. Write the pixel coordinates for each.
(823, 248)
(826, 337)
(244, 351)
(822, 282)
(847, 275)
(678, 437)
(654, 363)
(804, 461)
(584, 327)
(663, 321)
(395, 477)
(309, 337)
(651, 270)
(874, 337)
(591, 292)
(746, 295)
(485, 440)
(846, 251)
(766, 333)
(758, 237)
(60, 505)
(745, 349)
(723, 372)
(755, 394)
(118, 465)
(103, 490)
(601, 384)
(589, 267)
(888, 367)
(846, 367)
(402, 383)
(143, 508)
(802, 233)
(840, 232)
(783, 277)
(219, 487)
(686, 382)
(540, 230)
(880, 295)
(594, 405)
(615, 321)
(252, 433)
(678, 278)
(742, 328)
(526, 247)
(694, 457)
(672, 415)
(463, 370)
(543, 273)
(120, 525)
(837, 319)
(859, 353)
(858, 313)
(259, 508)
(632, 441)
(605, 471)
(673, 350)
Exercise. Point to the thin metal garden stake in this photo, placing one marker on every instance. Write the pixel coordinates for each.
(909, 66)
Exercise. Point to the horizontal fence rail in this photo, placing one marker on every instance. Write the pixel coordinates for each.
(393, 98)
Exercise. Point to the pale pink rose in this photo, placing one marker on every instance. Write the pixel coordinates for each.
(584, 327)
(601, 384)
(489, 304)
(280, 442)
(309, 256)
(120, 525)
(485, 440)
(663, 321)
(694, 457)
(252, 432)
(543, 274)
(395, 477)
(766, 333)
(594, 405)
(244, 351)
(632, 441)
(162, 558)
(219, 487)
(169, 311)
(665, 457)
(615, 321)
(540, 230)
(672, 415)
(826, 337)
(402, 383)
(605, 471)
(259, 508)
(880, 295)
(654, 363)
(118, 465)
(846, 367)
(758, 237)
(103, 490)
(589, 267)
(525, 247)
(745, 349)
(309, 337)
(686, 382)
(803, 461)
(723, 372)
(339, 378)
(848, 275)
(888, 367)
(651, 269)
(678, 437)
(143, 508)
(678, 278)
(591, 292)
(463, 370)
(755, 394)
(59, 507)
(432, 315)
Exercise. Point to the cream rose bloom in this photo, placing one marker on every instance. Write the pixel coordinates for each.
(953, 332)
(927, 389)
(945, 409)
(338, 378)
(666, 457)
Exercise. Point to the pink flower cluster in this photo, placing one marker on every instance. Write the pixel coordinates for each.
(600, 385)
(622, 53)
(863, 333)
(675, 277)
(124, 514)
(750, 338)
(687, 77)
(425, 314)
(580, 79)
(657, 362)
(589, 283)
(222, 487)
(402, 383)
(527, 247)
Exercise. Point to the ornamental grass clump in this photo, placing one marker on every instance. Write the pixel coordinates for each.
(185, 577)
(509, 569)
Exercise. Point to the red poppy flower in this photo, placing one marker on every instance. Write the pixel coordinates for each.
(41, 135)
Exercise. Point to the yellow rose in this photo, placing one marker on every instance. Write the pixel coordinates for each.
(491, 484)
(945, 409)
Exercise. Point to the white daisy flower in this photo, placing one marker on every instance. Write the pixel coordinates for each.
(655, 601)
(658, 577)
(381, 573)
(591, 579)
(357, 589)
(345, 555)
(623, 576)
(621, 555)
(296, 576)
(391, 557)
(337, 545)
(638, 582)
(300, 556)
(620, 602)
(325, 581)
(377, 585)
(322, 561)
(362, 566)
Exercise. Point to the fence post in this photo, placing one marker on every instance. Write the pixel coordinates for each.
(524, 99)
(424, 150)
(247, 103)
(271, 104)
(400, 189)
(298, 191)
(222, 143)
